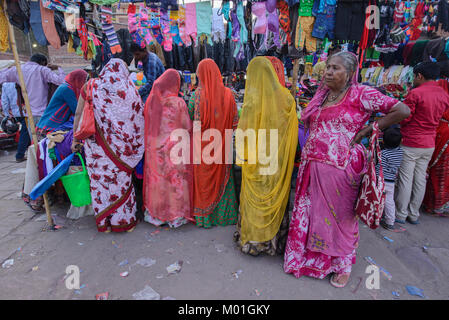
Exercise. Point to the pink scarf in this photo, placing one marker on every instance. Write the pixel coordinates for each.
(319, 97)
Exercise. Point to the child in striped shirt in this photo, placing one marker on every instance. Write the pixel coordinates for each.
(391, 161)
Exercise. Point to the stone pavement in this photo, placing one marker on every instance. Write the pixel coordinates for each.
(209, 259)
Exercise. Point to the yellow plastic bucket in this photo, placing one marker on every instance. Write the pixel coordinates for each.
(77, 186)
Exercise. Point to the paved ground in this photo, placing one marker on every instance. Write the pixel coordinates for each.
(209, 257)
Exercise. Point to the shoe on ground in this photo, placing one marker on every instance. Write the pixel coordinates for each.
(399, 221)
(19, 160)
(412, 221)
(393, 227)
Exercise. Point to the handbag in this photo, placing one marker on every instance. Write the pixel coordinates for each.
(370, 204)
(86, 126)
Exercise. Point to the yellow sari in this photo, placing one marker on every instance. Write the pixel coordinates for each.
(265, 192)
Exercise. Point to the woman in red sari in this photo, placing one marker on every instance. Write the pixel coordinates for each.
(115, 149)
(436, 200)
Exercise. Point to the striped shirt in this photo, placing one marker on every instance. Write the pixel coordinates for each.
(391, 161)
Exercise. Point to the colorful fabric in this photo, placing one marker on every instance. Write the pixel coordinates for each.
(284, 19)
(168, 187)
(116, 148)
(265, 187)
(83, 34)
(108, 29)
(166, 32)
(216, 109)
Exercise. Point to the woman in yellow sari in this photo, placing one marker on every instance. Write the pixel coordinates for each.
(267, 163)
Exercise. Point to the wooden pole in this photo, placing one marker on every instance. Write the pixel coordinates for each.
(12, 39)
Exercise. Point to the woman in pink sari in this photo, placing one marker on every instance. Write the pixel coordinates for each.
(115, 149)
(323, 233)
(167, 187)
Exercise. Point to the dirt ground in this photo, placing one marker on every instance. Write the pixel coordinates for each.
(417, 257)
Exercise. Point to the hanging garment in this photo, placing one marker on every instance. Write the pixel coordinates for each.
(349, 20)
(61, 5)
(182, 26)
(155, 24)
(305, 8)
(284, 20)
(125, 40)
(174, 29)
(191, 22)
(143, 26)
(243, 37)
(260, 11)
(19, 14)
(204, 19)
(36, 23)
(108, 29)
(132, 25)
(70, 21)
(4, 42)
(48, 25)
(60, 28)
(273, 21)
(218, 29)
(304, 36)
(325, 22)
(165, 28)
(226, 11)
(399, 12)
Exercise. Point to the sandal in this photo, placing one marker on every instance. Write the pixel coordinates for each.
(336, 278)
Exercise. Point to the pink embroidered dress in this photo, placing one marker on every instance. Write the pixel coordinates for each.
(323, 233)
(116, 149)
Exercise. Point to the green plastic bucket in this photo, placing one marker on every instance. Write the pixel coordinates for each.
(77, 186)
